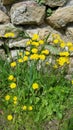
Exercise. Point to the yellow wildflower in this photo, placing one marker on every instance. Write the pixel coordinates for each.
(34, 50)
(67, 60)
(28, 42)
(30, 108)
(55, 41)
(46, 52)
(72, 81)
(11, 77)
(62, 60)
(55, 66)
(35, 37)
(15, 102)
(41, 42)
(14, 98)
(42, 57)
(62, 45)
(27, 53)
(71, 48)
(13, 85)
(35, 43)
(9, 117)
(24, 107)
(7, 97)
(20, 60)
(64, 53)
(34, 57)
(35, 86)
(25, 58)
(11, 34)
(69, 44)
(13, 64)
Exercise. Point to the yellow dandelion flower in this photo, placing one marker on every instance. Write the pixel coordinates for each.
(13, 85)
(28, 42)
(30, 108)
(11, 77)
(72, 81)
(14, 98)
(34, 50)
(69, 44)
(7, 97)
(71, 48)
(25, 58)
(55, 66)
(34, 57)
(24, 107)
(62, 45)
(46, 52)
(27, 53)
(35, 37)
(11, 34)
(13, 64)
(9, 117)
(35, 86)
(42, 57)
(64, 53)
(35, 43)
(20, 60)
(15, 102)
(55, 41)
(41, 42)
(62, 60)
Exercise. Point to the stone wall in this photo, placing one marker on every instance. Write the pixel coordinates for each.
(24, 17)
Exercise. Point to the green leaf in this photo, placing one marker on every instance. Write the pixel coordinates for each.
(59, 115)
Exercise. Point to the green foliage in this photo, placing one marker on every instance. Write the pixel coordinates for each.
(67, 124)
(40, 1)
(37, 92)
(70, 124)
(49, 12)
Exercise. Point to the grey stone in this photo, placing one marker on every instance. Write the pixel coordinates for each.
(18, 44)
(14, 53)
(6, 28)
(2, 54)
(3, 8)
(61, 17)
(4, 18)
(55, 3)
(45, 30)
(69, 3)
(69, 33)
(1, 43)
(70, 70)
(27, 12)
